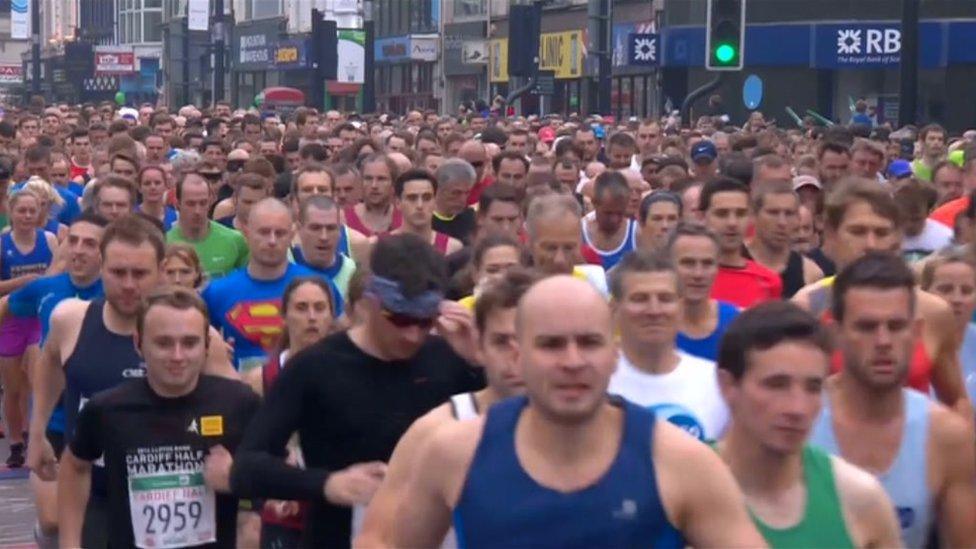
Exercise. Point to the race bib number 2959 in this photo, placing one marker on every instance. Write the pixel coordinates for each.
(171, 510)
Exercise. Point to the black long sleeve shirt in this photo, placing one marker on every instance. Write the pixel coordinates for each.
(348, 407)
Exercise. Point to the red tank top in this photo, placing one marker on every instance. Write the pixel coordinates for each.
(441, 241)
(354, 222)
(269, 373)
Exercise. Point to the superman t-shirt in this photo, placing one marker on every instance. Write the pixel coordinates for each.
(249, 311)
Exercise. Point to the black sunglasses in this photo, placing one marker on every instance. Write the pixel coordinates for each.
(406, 321)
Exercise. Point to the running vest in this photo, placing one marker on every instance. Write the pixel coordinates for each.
(609, 258)
(906, 482)
(14, 263)
(502, 506)
(464, 406)
(822, 524)
(792, 275)
(340, 273)
(355, 223)
(101, 360)
(441, 241)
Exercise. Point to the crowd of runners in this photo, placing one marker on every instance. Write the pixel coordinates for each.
(232, 328)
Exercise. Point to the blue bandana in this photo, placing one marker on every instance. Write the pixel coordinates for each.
(425, 305)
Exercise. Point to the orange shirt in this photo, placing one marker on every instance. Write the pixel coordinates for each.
(947, 213)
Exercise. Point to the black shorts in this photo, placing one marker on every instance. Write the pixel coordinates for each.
(57, 442)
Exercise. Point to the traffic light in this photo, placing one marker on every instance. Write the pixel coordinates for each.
(725, 38)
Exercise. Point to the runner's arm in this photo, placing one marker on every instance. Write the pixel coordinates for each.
(259, 469)
(423, 514)
(377, 529)
(946, 369)
(4, 307)
(218, 360)
(710, 512)
(48, 380)
(74, 486)
(957, 499)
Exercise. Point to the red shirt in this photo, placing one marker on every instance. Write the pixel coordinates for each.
(475, 193)
(76, 170)
(747, 286)
(947, 213)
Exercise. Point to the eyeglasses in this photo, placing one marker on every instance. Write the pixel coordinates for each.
(406, 321)
(476, 165)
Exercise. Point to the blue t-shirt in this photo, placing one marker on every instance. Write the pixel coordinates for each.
(249, 311)
(65, 213)
(38, 298)
(707, 347)
(77, 188)
(170, 216)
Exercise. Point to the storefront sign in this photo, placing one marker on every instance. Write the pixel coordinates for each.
(345, 6)
(642, 49)
(352, 56)
(291, 54)
(871, 45)
(465, 48)
(559, 52)
(11, 74)
(114, 60)
(254, 49)
(562, 53)
(498, 60)
(859, 45)
(394, 48)
(423, 48)
(199, 15)
(621, 39)
(20, 16)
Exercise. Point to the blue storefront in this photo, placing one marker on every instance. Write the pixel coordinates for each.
(826, 65)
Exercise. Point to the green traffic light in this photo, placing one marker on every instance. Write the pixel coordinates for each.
(724, 53)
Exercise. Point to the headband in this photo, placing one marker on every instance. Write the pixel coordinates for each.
(424, 305)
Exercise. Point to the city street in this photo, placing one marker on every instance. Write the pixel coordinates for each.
(17, 512)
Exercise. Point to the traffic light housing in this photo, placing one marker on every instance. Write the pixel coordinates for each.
(725, 36)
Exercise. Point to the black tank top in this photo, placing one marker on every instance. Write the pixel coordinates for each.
(101, 360)
(792, 275)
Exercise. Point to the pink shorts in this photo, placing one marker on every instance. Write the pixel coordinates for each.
(18, 333)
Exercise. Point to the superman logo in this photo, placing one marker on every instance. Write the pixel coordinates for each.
(259, 321)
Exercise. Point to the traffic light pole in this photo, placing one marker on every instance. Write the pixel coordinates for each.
(218, 53)
(698, 94)
(909, 63)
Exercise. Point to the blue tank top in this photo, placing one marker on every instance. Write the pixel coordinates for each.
(906, 481)
(609, 259)
(100, 360)
(343, 246)
(15, 263)
(502, 506)
(707, 347)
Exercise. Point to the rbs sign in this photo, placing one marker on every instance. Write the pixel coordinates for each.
(858, 46)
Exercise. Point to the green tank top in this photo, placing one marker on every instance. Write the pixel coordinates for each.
(823, 523)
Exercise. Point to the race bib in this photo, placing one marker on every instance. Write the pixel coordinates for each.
(171, 509)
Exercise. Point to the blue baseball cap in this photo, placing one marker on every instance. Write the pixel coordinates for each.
(704, 150)
(899, 169)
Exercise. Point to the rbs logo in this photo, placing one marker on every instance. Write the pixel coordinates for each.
(868, 41)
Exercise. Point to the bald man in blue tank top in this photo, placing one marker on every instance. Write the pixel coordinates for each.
(566, 466)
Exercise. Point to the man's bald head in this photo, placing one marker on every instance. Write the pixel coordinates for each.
(238, 154)
(471, 147)
(268, 207)
(545, 304)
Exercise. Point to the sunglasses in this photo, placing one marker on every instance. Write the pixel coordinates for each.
(406, 321)
(211, 176)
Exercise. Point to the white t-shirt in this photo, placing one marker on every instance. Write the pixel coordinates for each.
(934, 237)
(688, 396)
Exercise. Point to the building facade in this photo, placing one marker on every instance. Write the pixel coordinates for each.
(407, 55)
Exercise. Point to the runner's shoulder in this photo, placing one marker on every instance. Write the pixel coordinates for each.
(858, 489)
(226, 390)
(950, 432)
(69, 310)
